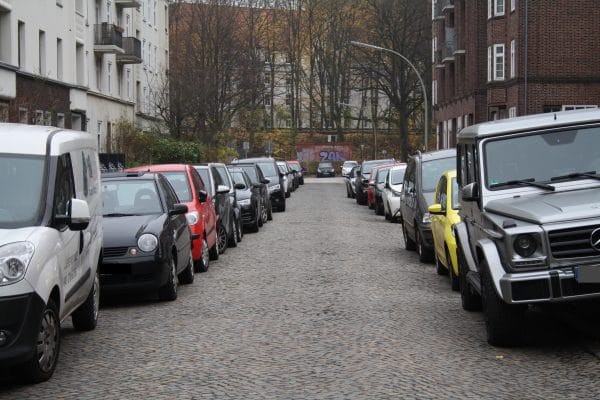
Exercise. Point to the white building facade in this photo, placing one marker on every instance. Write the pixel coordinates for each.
(83, 64)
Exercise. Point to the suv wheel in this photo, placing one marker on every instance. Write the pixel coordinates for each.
(409, 244)
(85, 317)
(43, 361)
(502, 321)
(471, 301)
(202, 264)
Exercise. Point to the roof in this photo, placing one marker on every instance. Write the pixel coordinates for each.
(434, 155)
(142, 175)
(253, 160)
(530, 122)
(159, 168)
(33, 139)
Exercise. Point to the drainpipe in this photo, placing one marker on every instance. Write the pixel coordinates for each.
(525, 53)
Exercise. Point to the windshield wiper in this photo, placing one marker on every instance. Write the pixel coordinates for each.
(576, 175)
(524, 182)
(116, 215)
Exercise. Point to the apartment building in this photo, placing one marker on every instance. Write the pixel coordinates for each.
(498, 59)
(82, 64)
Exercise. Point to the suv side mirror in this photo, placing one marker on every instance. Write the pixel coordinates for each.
(470, 192)
(436, 209)
(202, 196)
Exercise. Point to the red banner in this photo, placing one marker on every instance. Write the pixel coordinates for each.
(324, 152)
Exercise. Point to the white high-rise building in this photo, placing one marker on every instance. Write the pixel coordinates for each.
(83, 64)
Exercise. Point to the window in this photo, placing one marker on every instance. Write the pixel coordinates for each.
(79, 62)
(60, 120)
(23, 115)
(42, 53)
(288, 99)
(267, 79)
(512, 112)
(5, 36)
(434, 92)
(489, 64)
(119, 80)
(21, 44)
(3, 112)
(433, 48)
(513, 5)
(128, 83)
(495, 8)
(47, 118)
(64, 191)
(498, 62)
(578, 107)
(59, 59)
(109, 77)
(39, 117)
(267, 100)
(99, 73)
(513, 62)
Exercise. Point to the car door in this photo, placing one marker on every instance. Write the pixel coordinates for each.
(409, 199)
(70, 243)
(438, 221)
(177, 224)
(222, 203)
(207, 207)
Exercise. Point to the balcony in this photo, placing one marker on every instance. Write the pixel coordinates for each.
(128, 3)
(449, 45)
(132, 54)
(108, 38)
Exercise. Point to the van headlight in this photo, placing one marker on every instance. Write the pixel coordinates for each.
(192, 217)
(14, 260)
(147, 242)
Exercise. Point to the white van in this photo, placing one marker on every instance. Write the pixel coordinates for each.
(50, 242)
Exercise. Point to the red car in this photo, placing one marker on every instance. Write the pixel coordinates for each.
(372, 183)
(201, 215)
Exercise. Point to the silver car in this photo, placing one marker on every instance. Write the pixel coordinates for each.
(391, 192)
(347, 167)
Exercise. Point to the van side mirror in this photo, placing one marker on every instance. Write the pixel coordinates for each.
(79, 215)
(470, 192)
(202, 196)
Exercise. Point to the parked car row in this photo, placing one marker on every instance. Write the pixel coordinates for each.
(511, 214)
(68, 232)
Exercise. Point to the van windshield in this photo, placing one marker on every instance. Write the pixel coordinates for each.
(21, 180)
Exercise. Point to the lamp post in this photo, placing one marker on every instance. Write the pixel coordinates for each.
(373, 47)
(374, 150)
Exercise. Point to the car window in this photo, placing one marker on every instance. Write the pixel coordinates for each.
(204, 174)
(455, 201)
(130, 196)
(382, 174)
(397, 176)
(325, 164)
(197, 180)
(179, 183)
(441, 194)
(222, 171)
(216, 177)
(252, 173)
(268, 168)
(20, 206)
(431, 171)
(64, 187)
(238, 177)
(169, 191)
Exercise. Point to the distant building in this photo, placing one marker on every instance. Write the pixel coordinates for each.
(82, 64)
(498, 59)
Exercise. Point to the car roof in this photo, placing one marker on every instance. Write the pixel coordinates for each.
(200, 166)
(253, 160)
(159, 168)
(434, 155)
(530, 122)
(42, 140)
(139, 175)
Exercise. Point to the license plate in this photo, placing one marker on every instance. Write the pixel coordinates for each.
(587, 274)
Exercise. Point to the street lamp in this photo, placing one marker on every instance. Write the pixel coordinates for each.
(374, 150)
(371, 46)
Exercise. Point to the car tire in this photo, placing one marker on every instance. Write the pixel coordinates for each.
(454, 282)
(282, 204)
(257, 221)
(439, 268)
(288, 194)
(233, 236)
(240, 230)
(221, 238)
(409, 244)
(41, 365)
(187, 275)
(379, 208)
(425, 256)
(503, 321)
(168, 292)
(261, 216)
(470, 300)
(270, 212)
(202, 264)
(213, 253)
(85, 318)
(387, 215)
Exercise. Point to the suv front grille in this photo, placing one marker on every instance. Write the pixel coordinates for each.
(572, 242)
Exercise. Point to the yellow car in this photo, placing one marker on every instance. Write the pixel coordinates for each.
(444, 212)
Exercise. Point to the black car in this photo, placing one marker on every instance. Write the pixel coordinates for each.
(418, 189)
(271, 172)
(237, 214)
(147, 242)
(325, 168)
(362, 181)
(258, 179)
(248, 198)
(224, 208)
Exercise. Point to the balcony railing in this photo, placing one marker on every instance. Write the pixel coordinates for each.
(128, 3)
(132, 51)
(108, 38)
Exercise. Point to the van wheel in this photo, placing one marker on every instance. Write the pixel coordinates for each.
(45, 356)
(187, 275)
(409, 244)
(168, 292)
(85, 317)
(502, 321)
(470, 300)
(202, 264)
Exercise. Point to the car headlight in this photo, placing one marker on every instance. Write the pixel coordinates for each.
(525, 245)
(147, 242)
(274, 187)
(192, 217)
(245, 202)
(426, 218)
(14, 260)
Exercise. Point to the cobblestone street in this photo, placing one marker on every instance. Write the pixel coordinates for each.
(322, 303)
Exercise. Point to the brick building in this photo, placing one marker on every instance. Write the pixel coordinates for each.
(498, 59)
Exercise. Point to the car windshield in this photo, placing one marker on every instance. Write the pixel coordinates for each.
(433, 169)
(205, 178)
(282, 168)
(238, 177)
(223, 174)
(382, 174)
(455, 203)
(368, 165)
(397, 176)
(251, 172)
(325, 165)
(349, 163)
(21, 180)
(543, 156)
(295, 167)
(267, 168)
(180, 184)
(130, 197)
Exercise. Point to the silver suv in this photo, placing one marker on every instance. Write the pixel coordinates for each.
(530, 209)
